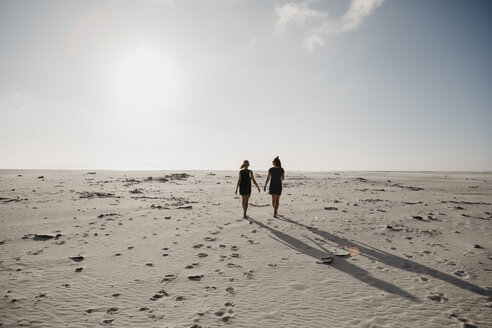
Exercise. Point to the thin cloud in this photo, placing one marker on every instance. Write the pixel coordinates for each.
(297, 13)
(358, 11)
(312, 41)
(301, 14)
(21, 101)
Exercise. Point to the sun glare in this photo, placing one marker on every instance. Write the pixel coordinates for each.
(145, 80)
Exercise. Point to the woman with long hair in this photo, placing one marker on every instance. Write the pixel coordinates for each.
(244, 185)
(276, 174)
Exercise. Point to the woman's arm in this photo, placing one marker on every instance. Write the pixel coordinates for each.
(238, 182)
(283, 176)
(254, 181)
(266, 183)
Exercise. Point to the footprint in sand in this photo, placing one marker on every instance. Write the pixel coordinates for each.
(227, 312)
(168, 277)
(249, 274)
(440, 298)
(154, 316)
(191, 266)
(112, 310)
(233, 265)
(462, 274)
(37, 252)
(159, 295)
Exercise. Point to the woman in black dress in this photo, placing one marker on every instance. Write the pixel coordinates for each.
(276, 174)
(244, 185)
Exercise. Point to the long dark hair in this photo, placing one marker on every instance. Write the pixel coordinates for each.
(277, 162)
(245, 164)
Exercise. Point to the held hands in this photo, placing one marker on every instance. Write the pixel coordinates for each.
(258, 188)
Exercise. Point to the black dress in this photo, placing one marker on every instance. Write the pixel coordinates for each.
(276, 180)
(245, 185)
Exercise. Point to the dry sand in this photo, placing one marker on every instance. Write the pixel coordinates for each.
(84, 249)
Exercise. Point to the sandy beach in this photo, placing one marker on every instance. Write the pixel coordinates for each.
(170, 249)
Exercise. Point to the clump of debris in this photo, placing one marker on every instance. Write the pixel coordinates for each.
(166, 178)
(92, 194)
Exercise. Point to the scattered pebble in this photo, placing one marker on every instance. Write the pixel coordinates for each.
(77, 258)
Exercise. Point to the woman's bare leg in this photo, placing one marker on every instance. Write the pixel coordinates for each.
(242, 203)
(275, 207)
(245, 205)
(273, 204)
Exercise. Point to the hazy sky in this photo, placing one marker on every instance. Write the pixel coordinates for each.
(326, 85)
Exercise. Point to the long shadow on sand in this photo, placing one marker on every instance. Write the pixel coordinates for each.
(374, 254)
(340, 263)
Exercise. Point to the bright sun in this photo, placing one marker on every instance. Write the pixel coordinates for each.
(144, 80)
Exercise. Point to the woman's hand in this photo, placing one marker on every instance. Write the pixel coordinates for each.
(236, 191)
(258, 188)
(264, 188)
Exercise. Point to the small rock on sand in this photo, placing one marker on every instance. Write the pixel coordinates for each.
(45, 237)
(77, 258)
(325, 260)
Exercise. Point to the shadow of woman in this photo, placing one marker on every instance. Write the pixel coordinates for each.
(340, 264)
(393, 260)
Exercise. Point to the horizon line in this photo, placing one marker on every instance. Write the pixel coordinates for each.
(233, 170)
